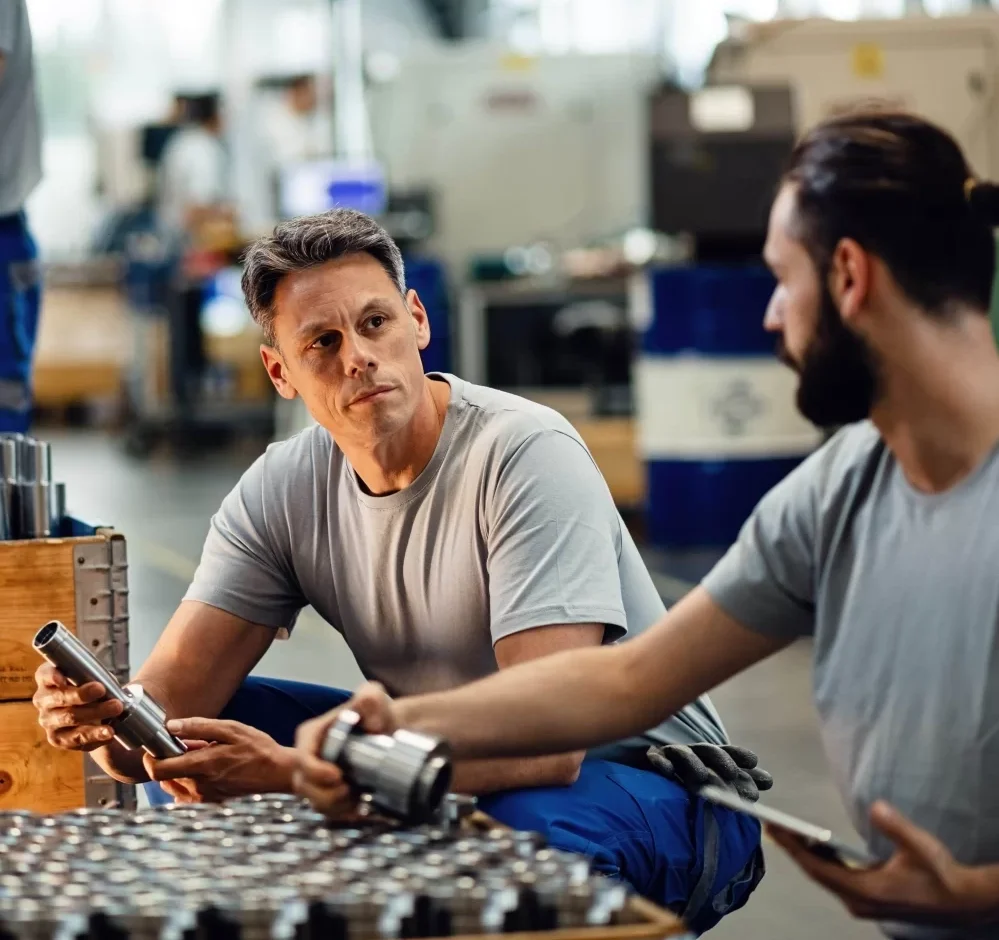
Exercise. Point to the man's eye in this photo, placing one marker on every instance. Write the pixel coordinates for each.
(325, 341)
(377, 320)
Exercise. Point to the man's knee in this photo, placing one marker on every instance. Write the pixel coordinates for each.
(648, 831)
(278, 706)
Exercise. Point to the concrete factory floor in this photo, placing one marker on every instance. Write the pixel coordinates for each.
(164, 507)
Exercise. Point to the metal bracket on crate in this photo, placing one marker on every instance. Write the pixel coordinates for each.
(101, 587)
(101, 790)
(101, 580)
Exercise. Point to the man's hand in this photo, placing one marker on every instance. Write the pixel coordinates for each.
(72, 717)
(321, 782)
(922, 883)
(734, 768)
(225, 759)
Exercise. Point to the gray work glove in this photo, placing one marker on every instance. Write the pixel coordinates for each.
(693, 767)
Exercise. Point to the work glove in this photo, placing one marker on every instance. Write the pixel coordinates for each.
(698, 765)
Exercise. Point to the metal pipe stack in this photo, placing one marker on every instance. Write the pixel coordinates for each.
(32, 505)
(269, 867)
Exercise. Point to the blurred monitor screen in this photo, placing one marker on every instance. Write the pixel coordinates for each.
(314, 186)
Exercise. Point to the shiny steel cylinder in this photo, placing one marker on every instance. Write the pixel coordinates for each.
(36, 461)
(10, 458)
(34, 501)
(9, 517)
(57, 507)
(142, 723)
(65, 651)
(407, 775)
(10, 462)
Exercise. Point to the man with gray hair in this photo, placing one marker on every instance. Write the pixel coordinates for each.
(446, 530)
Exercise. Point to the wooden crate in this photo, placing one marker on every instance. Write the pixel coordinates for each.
(84, 583)
(34, 775)
(84, 344)
(80, 581)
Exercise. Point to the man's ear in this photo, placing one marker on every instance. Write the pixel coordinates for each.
(420, 319)
(277, 371)
(850, 279)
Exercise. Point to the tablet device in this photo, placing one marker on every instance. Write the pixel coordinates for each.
(818, 840)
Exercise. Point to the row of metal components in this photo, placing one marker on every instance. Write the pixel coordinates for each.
(269, 868)
(32, 505)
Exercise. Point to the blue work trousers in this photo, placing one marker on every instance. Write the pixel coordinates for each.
(20, 299)
(696, 859)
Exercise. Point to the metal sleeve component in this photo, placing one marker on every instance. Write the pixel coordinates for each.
(10, 448)
(142, 723)
(32, 504)
(35, 503)
(266, 867)
(406, 775)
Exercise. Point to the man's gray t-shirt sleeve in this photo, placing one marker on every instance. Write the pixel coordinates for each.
(766, 580)
(241, 571)
(552, 540)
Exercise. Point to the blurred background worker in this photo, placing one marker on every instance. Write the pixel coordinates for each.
(193, 175)
(294, 126)
(20, 172)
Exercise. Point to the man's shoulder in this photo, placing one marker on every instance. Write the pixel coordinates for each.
(304, 455)
(846, 457)
(833, 478)
(502, 418)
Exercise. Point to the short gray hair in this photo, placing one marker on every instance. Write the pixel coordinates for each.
(307, 242)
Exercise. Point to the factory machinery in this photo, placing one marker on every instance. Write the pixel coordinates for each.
(944, 68)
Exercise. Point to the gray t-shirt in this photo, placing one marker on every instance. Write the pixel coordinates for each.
(509, 527)
(899, 589)
(20, 134)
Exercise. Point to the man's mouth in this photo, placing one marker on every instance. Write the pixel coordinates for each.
(784, 356)
(372, 394)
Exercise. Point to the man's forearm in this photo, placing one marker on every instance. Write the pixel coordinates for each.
(576, 700)
(547, 706)
(478, 777)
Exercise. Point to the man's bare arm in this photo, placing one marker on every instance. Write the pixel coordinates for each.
(488, 776)
(194, 669)
(583, 698)
(3, 65)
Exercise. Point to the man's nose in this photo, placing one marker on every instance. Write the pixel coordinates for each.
(357, 356)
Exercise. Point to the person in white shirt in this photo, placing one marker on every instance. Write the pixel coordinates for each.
(193, 178)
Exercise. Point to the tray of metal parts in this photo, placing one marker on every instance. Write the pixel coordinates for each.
(269, 867)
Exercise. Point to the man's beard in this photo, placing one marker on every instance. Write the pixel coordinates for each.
(838, 375)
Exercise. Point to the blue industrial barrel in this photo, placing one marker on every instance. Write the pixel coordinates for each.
(717, 422)
(427, 277)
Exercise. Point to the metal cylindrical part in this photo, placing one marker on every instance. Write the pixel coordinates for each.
(10, 458)
(406, 775)
(57, 507)
(9, 514)
(34, 510)
(74, 660)
(142, 722)
(36, 461)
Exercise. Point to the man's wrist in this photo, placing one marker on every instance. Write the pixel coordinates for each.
(979, 890)
(285, 763)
